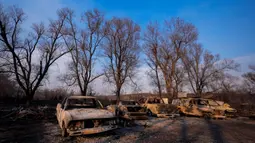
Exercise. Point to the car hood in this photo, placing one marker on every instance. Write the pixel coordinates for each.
(160, 105)
(89, 113)
(161, 108)
(205, 108)
(229, 109)
(132, 105)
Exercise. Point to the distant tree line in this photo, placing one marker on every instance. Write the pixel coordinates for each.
(173, 54)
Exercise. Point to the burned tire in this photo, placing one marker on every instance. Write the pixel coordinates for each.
(64, 131)
(207, 116)
(149, 113)
(124, 123)
(117, 112)
(181, 113)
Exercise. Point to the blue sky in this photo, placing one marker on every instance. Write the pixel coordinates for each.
(226, 27)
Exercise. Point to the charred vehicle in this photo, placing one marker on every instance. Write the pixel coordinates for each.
(203, 108)
(156, 107)
(78, 115)
(129, 110)
(229, 111)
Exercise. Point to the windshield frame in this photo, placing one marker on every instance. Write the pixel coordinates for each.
(97, 103)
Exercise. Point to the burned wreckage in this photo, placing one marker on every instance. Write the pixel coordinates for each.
(81, 115)
(128, 111)
(157, 107)
(202, 107)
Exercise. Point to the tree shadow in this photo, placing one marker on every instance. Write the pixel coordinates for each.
(215, 131)
(184, 137)
(148, 134)
(23, 131)
(126, 131)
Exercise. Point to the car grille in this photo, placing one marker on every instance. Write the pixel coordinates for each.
(75, 125)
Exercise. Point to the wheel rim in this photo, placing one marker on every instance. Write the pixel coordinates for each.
(207, 116)
(124, 123)
(149, 113)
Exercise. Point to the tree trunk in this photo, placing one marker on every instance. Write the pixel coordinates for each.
(158, 83)
(175, 92)
(29, 98)
(199, 92)
(168, 88)
(118, 95)
(84, 91)
(159, 90)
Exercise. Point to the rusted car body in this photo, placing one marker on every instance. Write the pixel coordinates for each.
(78, 115)
(156, 107)
(229, 111)
(203, 108)
(129, 110)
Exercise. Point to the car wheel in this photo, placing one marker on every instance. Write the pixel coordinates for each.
(182, 114)
(149, 113)
(64, 131)
(124, 123)
(117, 112)
(207, 116)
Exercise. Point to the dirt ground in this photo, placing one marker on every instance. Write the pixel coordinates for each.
(181, 129)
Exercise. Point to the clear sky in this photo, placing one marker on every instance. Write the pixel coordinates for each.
(226, 27)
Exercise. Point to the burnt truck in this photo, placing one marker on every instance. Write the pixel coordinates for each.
(156, 107)
(128, 111)
(81, 115)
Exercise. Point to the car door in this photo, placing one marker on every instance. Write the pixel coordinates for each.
(189, 107)
(60, 109)
(192, 108)
(202, 106)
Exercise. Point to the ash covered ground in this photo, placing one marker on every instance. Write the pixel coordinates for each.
(180, 129)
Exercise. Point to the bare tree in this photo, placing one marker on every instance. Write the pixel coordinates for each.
(151, 49)
(121, 50)
(179, 34)
(223, 82)
(249, 80)
(201, 66)
(84, 44)
(46, 41)
(7, 85)
(179, 80)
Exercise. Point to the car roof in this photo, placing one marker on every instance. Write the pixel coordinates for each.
(128, 100)
(81, 97)
(154, 97)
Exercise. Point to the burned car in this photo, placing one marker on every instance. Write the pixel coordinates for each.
(80, 115)
(201, 107)
(156, 107)
(130, 110)
(228, 110)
